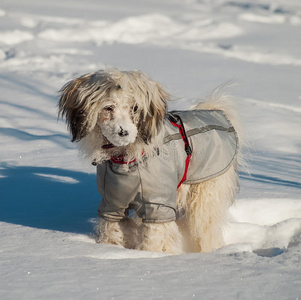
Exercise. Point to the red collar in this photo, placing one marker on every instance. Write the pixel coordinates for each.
(116, 159)
(120, 160)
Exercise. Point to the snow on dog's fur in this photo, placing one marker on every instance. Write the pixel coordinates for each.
(112, 112)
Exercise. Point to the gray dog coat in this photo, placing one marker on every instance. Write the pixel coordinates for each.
(198, 145)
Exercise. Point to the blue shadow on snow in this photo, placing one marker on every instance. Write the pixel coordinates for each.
(270, 180)
(48, 198)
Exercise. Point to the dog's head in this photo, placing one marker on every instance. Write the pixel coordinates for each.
(123, 106)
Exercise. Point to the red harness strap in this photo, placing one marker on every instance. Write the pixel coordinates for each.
(187, 148)
(186, 169)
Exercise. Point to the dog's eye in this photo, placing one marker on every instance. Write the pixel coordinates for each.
(109, 108)
(135, 108)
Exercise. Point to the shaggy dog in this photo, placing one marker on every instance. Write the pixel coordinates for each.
(121, 122)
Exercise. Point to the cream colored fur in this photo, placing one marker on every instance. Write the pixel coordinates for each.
(118, 233)
(206, 205)
(202, 207)
(164, 237)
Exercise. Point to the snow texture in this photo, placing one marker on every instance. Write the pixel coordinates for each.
(48, 196)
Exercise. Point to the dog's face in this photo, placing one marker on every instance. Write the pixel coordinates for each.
(118, 119)
(124, 107)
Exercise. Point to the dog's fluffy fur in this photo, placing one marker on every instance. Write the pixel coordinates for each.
(126, 110)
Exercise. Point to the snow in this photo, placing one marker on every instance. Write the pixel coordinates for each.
(48, 196)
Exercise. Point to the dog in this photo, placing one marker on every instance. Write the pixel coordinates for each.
(167, 179)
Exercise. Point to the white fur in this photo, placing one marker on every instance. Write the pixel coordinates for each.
(112, 130)
(117, 102)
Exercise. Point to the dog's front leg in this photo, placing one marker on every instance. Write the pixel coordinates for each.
(161, 237)
(121, 233)
(109, 232)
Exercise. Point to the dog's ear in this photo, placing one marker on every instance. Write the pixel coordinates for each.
(152, 117)
(72, 108)
(79, 102)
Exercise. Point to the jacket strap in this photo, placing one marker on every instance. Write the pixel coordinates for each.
(176, 121)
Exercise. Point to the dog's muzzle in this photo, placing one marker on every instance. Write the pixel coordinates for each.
(123, 132)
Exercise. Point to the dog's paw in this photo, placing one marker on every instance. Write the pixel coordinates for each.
(109, 233)
(123, 233)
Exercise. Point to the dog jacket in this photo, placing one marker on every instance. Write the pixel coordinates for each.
(198, 145)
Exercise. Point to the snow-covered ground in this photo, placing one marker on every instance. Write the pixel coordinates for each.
(48, 197)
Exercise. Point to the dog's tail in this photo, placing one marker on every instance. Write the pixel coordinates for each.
(220, 99)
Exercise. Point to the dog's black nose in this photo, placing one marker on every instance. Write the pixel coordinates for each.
(123, 132)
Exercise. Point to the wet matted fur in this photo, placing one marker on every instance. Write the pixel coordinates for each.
(112, 111)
